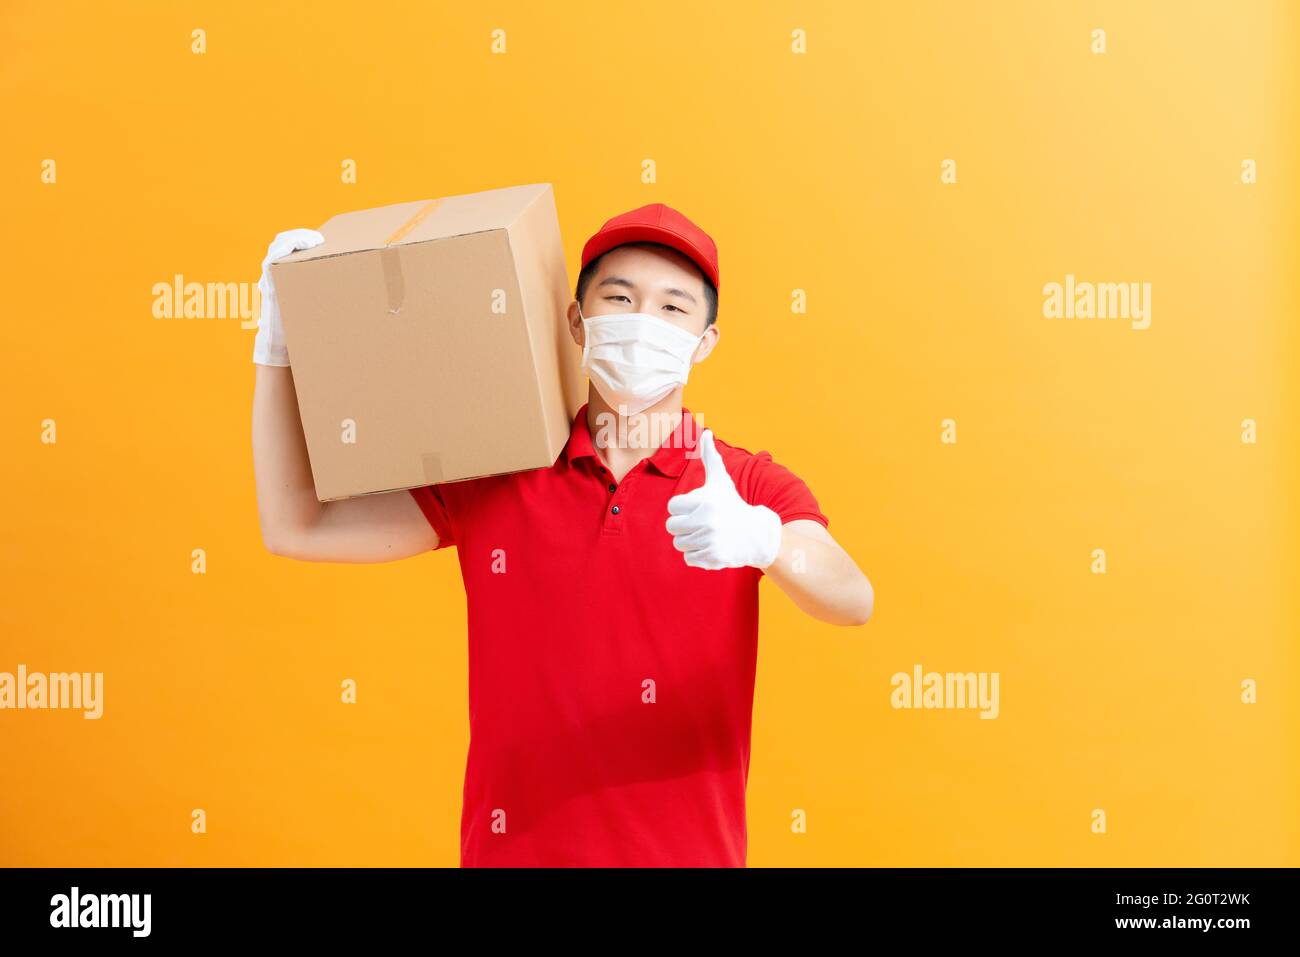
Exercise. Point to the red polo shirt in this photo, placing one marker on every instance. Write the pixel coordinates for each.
(611, 685)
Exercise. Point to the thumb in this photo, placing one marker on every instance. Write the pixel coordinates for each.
(714, 470)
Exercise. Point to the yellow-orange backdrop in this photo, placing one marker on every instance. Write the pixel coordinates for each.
(816, 171)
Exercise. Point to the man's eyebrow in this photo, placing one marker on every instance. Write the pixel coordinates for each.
(621, 281)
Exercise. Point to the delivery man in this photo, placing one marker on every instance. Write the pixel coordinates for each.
(613, 597)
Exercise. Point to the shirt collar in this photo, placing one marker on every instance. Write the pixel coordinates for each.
(669, 459)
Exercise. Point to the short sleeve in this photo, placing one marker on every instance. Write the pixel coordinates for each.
(433, 503)
(766, 482)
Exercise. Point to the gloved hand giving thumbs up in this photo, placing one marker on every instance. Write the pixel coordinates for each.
(714, 527)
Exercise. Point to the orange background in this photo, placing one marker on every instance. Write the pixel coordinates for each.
(818, 172)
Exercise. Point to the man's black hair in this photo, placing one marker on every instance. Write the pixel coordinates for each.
(710, 290)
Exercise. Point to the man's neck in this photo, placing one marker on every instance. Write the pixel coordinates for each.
(623, 441)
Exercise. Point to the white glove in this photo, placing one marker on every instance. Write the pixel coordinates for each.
(714, 527)
(268, 347)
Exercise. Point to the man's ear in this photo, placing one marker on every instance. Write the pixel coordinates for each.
(575, 323)
(707, 344)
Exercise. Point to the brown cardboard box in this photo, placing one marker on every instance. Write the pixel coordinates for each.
(428, 341)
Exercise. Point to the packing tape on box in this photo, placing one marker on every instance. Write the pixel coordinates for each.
(432, 465)
(394, 281)
(411, 223)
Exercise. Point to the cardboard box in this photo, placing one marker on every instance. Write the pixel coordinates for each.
(429, 343)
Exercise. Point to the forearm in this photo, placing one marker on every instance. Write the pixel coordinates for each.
(286, 495)
(820, 577)
(372, 528)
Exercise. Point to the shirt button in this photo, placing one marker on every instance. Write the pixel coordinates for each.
(614, 509)
(613, 488)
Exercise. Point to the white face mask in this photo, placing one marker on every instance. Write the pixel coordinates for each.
(635, 359)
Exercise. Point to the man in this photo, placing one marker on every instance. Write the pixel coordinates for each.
(612, 598)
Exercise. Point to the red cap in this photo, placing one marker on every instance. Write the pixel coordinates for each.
(656, 223)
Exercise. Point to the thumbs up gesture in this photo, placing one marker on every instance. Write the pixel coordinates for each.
(713, 527)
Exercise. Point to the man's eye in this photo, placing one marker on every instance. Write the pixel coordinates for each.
(618, 297)
(672, 307)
